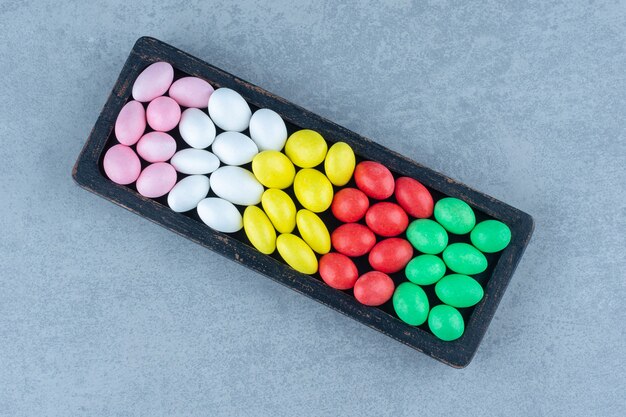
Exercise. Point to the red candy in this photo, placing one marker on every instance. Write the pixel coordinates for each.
(350, 205)
(353, 239)
(374, 288)
(414, 198)
(391, 255)
(338, 271)
(374, 179)
(386, 219)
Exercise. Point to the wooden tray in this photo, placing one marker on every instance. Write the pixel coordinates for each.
(88, 174)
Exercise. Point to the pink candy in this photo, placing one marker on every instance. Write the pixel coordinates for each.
(156, 180)
(153, 82)
(156, 147)
(130, 123)
(163, 114)
(191, 92)
(121, 164)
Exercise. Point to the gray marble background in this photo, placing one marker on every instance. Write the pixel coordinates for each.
(104, 314)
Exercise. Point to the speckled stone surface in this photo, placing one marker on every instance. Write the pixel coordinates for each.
(104, 314)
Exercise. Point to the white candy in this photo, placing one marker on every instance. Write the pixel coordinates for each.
(268, 130)
(234, 148)
(188, 193)
(220, 215)
(194, 161)
(237, 185)
(196, 128)
(229, 110)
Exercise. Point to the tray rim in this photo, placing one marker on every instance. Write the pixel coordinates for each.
(457, 354)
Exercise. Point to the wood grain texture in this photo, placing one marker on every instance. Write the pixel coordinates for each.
(458, 353)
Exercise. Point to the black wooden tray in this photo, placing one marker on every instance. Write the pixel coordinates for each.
(88, 174)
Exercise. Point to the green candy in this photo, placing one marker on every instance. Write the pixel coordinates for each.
(446, 322)
(491, 236)
(455, 215)
(411, 303)
(465, 259)
(425, 269)
(459, 291)
(427, 236)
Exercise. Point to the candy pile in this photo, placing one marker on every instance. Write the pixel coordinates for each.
(274, 186)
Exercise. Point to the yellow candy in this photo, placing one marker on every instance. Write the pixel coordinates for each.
(259, 230)
(297, 253)
(313, 190)
(313, 231)
(273, 169)
(306, 148)
(339, 163)
(280, 209)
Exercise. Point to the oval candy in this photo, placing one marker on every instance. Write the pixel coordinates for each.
(188, 192)
(268, 130)
(338, 271)
(446, 323)
(390, 255)
(411, 304)
(306, 148)
(130, 123)
(153, 82)
(220, 215)
(313, 190)
(229, 110)
(237, 185)
(427, 236)
(425, 269)
(191, 92)
(273, 169)
(373, 288)
(156, 147)
(353, 239)
(455, 215)
(465, 259)
(259, 230)
(459, 291)
(491, 236)
(156, 180)
(374, 179)
(386, 219)
(349, 205)
(313, 231)
(296, 253)
(414, 198)
(234, 148)
(280, 209)
(163, 114)
(121, 165)
(339, 163)
(196, 128)
(194, 161)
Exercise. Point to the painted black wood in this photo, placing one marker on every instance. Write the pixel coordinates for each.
(88, 174)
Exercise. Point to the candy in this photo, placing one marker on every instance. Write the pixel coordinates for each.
(455, 215)
(121, 165)
(374, 179)
(273, 169)
(153, 81)
(386, 219)
(313, 190)
(459, 290)
(280, 209)
(156, 147)
(296, 253)
(188, 192)
(130, 123)
(163, 114)
(446, 322)
(259, 230)
(306, 148)
(237, 185)
(353, 239)
(491, 236)
(313, 231)
(220, 215)
(410, 303)
(349, 205)
(414, 198)
(191, 92)
(229, 110)
(427, 236)
(338, 271)
(339, 163)
(234, 148)
(373, 288)
(268, 130)
(194, 161)
(465, 259)
(196, 128)
(425, 269)
(156, 180)
(390, 255)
